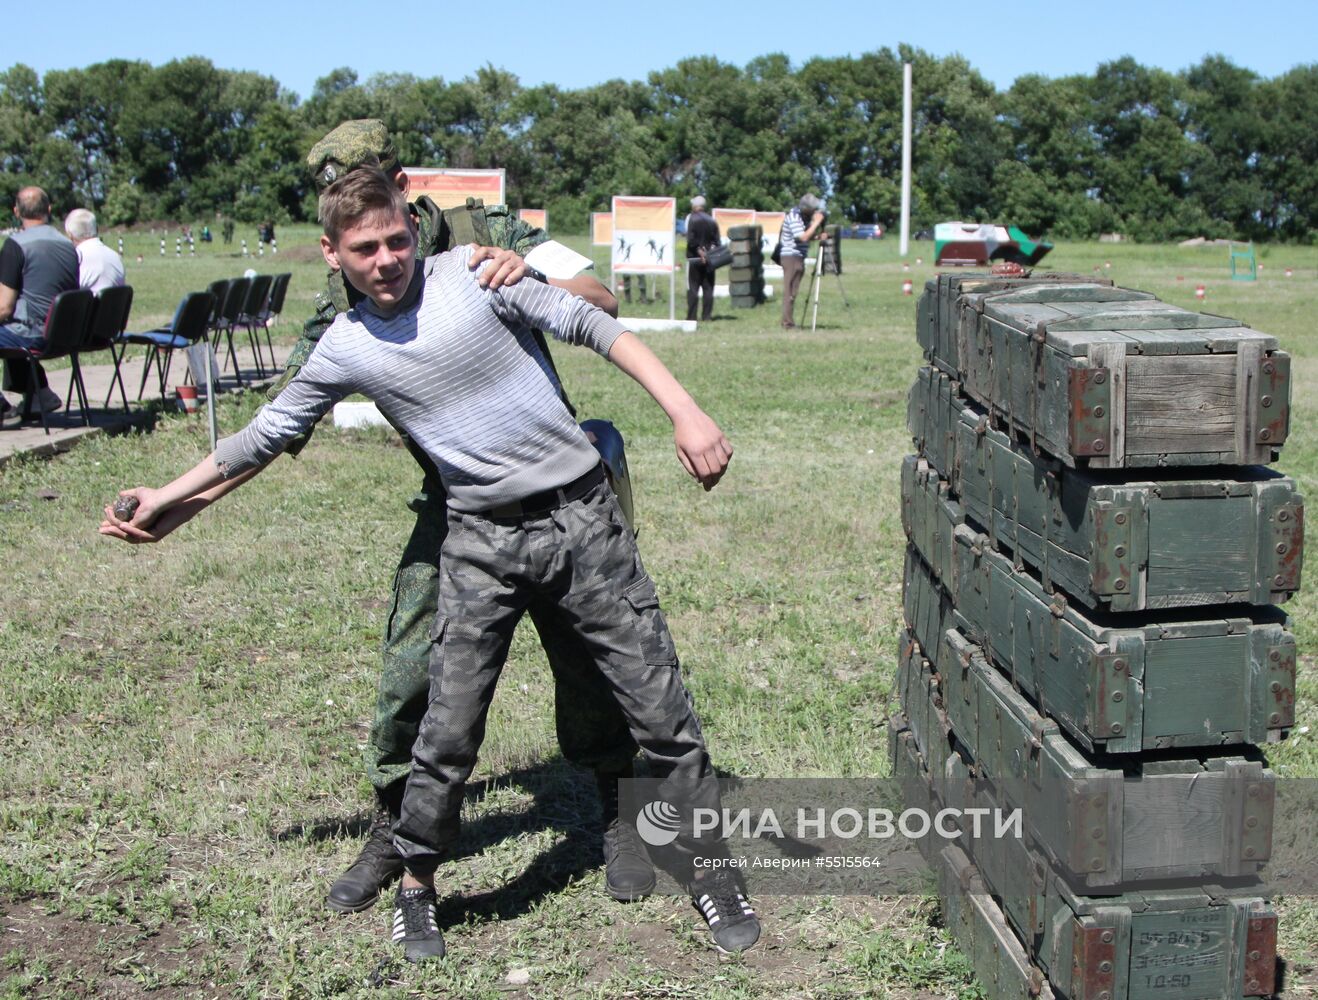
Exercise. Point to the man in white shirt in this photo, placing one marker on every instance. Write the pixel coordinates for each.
(98, 266)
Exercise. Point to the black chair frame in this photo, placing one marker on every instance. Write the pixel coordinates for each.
(64, 332)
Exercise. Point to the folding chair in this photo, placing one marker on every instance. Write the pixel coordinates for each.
(66, 326)
(278, 291)
(273, 307)
(234, 300)
(219, 289)
(189, 327)
(106, 325)
(251, 316)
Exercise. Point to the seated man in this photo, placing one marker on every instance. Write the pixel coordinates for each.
(532, 521)
(99, 267)
(36, 264)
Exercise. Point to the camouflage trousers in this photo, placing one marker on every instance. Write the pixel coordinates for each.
(592, 730)
(577, 568)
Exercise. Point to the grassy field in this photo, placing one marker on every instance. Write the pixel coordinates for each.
(182, 724)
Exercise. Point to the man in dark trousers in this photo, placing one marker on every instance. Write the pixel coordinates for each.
(36, 264)
(702, 236)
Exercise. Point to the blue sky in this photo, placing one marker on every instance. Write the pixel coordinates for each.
(575, 44)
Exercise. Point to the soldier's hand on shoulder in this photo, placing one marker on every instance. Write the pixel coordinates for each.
(506, 267)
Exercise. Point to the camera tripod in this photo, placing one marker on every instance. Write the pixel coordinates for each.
(816, 280)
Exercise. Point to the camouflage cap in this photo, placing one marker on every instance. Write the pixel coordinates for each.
(362, 143)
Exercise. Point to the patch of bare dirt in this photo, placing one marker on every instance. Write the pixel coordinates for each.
(1301, 979)
(796, 955)
(78, 957)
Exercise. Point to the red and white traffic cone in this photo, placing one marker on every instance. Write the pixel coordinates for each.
(907, 286)
(1200, 291)
(1289, 272)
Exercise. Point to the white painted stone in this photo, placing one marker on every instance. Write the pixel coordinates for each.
(365, 414)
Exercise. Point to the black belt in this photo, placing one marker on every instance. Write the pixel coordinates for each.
(547, 500)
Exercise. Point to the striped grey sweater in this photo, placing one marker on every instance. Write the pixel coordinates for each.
(460, 372)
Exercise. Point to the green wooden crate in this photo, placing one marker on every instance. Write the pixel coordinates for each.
(1121, 684)
(977, 922)
(1159, 945)
(753, 260)
(755, 288)
(1183, 944)
(1112, 378)
(938, 312)
(744, 246)
(745, 273)
(940, 777)
(1233, 953)
(976, 915)
(1165, 819)
(1118, 546)
(746, 301)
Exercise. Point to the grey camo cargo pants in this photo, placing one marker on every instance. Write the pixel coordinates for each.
(578, 568)
(591, 730)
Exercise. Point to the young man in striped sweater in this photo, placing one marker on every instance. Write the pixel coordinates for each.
(532, 520)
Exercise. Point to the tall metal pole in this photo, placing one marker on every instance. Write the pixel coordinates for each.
(210, 393)
(906, 160)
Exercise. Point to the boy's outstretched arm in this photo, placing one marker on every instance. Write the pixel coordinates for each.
(151, 503)
(318, 385)
(701, 447)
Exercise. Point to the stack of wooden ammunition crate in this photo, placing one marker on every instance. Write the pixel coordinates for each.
(1095, 555)
(746, 274)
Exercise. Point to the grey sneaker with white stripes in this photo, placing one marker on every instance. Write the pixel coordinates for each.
(726, 909)
(415, 927)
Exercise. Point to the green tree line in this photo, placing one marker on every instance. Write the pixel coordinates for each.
(1214, 150)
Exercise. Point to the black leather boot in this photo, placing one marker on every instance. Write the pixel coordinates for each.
(628, 871)
(378, 864)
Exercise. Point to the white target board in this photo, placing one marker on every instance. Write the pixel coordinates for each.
(644, 240)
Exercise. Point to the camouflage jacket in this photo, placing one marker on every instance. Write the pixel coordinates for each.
(437, 231)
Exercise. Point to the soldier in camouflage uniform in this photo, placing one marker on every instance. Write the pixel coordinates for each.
(591, 730)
